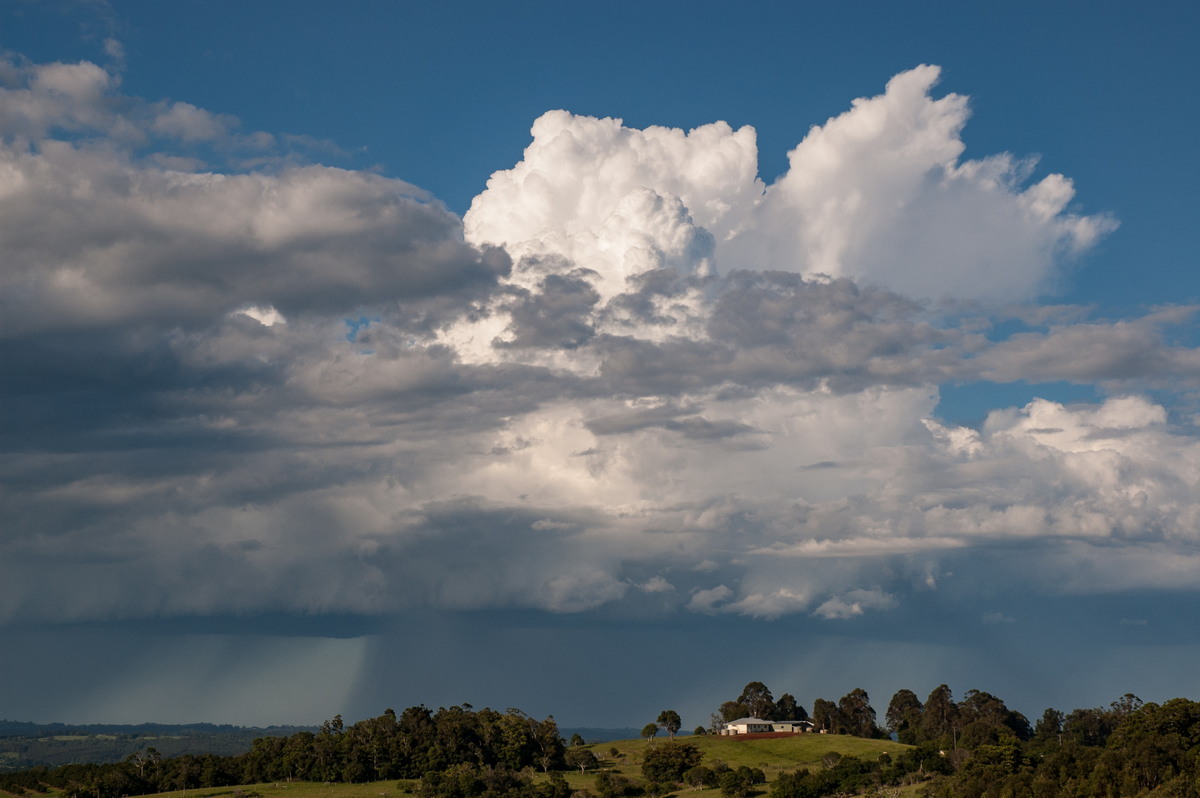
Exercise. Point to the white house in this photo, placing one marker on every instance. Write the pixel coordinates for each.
(760, 726)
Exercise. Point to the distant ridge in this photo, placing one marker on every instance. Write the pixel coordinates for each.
(24, 744)
(20, 728)
(598, 735)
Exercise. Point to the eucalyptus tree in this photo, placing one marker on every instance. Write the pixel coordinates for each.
(669, 720)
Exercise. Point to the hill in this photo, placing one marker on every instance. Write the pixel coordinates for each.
(27, 745)
(772, 755)
(623, 757)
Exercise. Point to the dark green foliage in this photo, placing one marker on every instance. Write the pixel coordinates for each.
(1153, 746)
(415, 743)
(903, 717)
(733, 710)
(991, 719)
(825, 716)
(612, 785)
(669, 720)
(700, 777)
(668, 762)
(856, 715)
(658, 790)
(846, 775)
(1126, 751)
(582, 758)
(649, 731)
(786, 708)
(469, 780)
(757, 698)
(991, 770)
(738, 783)
(939, 717)
(1049, 727)
(1088, 726)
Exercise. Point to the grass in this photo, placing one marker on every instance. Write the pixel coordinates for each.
(773, 755)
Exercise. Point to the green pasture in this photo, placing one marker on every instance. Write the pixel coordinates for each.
(773, 755)
(770, 755)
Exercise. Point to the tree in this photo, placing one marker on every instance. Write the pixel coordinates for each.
(1049, 726)
(786, 708)
(148, 758)
(699, 730)
(611, 785)
(669, 761)
(939, 716)
(581, 758)
(549, 744)
(733, 710)
(1125, 705)
(903, 717)
(857, 714)
(1088, 726)
(825, 716)
(700, 777)
(576, 739)
(986, 711)
(737, 783)
(669, 720)
(758, 699)
(649, 731)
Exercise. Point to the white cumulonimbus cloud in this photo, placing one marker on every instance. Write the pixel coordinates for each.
(632, 374)
(878, 194)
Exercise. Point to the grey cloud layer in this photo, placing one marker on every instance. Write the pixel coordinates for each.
(303, 389)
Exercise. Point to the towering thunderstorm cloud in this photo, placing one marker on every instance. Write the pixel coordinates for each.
(633, 375)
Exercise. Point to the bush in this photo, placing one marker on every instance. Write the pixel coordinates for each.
(700, 776)
(668, 762)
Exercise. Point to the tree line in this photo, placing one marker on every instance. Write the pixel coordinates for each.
(979, 748)
(460, 741)
(852, 714)
(975, 747)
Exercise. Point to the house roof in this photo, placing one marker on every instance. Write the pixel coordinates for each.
(760, 721)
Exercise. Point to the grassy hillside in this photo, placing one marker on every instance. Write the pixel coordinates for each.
(772, 756)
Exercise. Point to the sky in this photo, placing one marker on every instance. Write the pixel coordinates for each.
(594, 359)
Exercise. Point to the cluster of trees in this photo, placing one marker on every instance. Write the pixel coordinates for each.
(756, 701)
(849, 775)
(669, 765)
(980, 718)
(483, 744)
(853, 714)
(668, 720)
(1127, 750)
(978, 748)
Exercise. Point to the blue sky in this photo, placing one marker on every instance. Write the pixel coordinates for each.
(912, 405)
